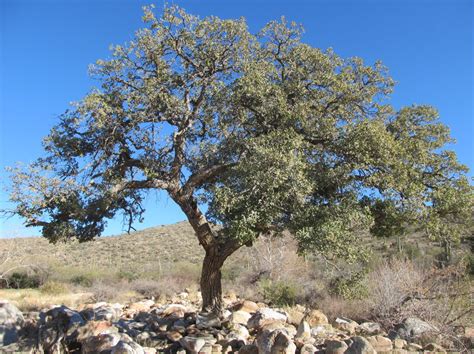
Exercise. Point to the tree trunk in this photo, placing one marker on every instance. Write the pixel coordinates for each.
(211, 286)
(446, 253)
(216, 254)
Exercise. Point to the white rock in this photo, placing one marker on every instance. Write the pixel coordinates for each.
(193, 344)
(304, 330)
(240, 317)
(265, 315)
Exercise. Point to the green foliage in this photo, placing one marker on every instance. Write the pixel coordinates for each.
(278, 293)
(470, 265)
(128, 275)
(82, 280)
(20, 280)
(412, 251)
(350, 287)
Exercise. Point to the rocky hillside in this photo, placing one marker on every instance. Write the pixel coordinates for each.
(177, 326)
(162, 243)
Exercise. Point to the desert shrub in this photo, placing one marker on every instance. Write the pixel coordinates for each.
(146, 287)
(19, 280)
(82, 280)
(53, 288)
(336, 306)
(278, 293)
(128, 275)
(105, 292)
(231, 272)
(390, 286)
(350, 287)
(412, 251)
(470, 264)
(400, 289)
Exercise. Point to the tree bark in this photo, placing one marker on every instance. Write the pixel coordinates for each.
(216, 254)
(211, 285)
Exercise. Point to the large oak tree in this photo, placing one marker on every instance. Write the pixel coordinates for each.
(267, 132)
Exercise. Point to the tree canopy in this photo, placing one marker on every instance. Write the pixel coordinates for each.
(269, 132)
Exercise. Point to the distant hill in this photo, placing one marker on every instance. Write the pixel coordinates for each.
(168, 243)
(160, 247)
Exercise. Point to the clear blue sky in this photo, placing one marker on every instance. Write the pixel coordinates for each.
(46, 46)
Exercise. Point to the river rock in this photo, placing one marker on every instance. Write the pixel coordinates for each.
(11, 319)
(316, 317)
(335, 347)
(238, 332)
(59, 325)
(207, 320)
(308, 349)
(173, 310)
(346, 325)
(193, 344)
(369, 328)
(399, 343)
(304, 330)
(102, 311)
(322, 330)
(413, 327)
(127, 347)
(277, 341)
(100, 343)
(414, 347)
(360, 345)
(248, 349)
(380, 343)
(265, 316)
(141, 306)
(9, 314)
(240, 317)
(247, 306)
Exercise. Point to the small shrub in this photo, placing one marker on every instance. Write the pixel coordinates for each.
(470, 264)
(231, 272)
(19, 280)
(82, 280)
(352, 287)
(278, 293)
(53, 288)
(147, 288)
(336, 306)
(128, 275)
(412, 251)
(441, 297)
(104, 292)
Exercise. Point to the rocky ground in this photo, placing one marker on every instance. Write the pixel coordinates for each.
(178, 327)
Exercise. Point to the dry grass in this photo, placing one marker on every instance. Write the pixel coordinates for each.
(35, 300)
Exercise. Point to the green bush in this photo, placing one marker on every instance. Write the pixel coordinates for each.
(351, 287)
(231, 272)
(18, 280)
(412, 251)
(278, 293)
(128, 275)
(82, 280)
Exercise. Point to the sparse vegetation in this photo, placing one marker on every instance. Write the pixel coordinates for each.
(278, 293)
